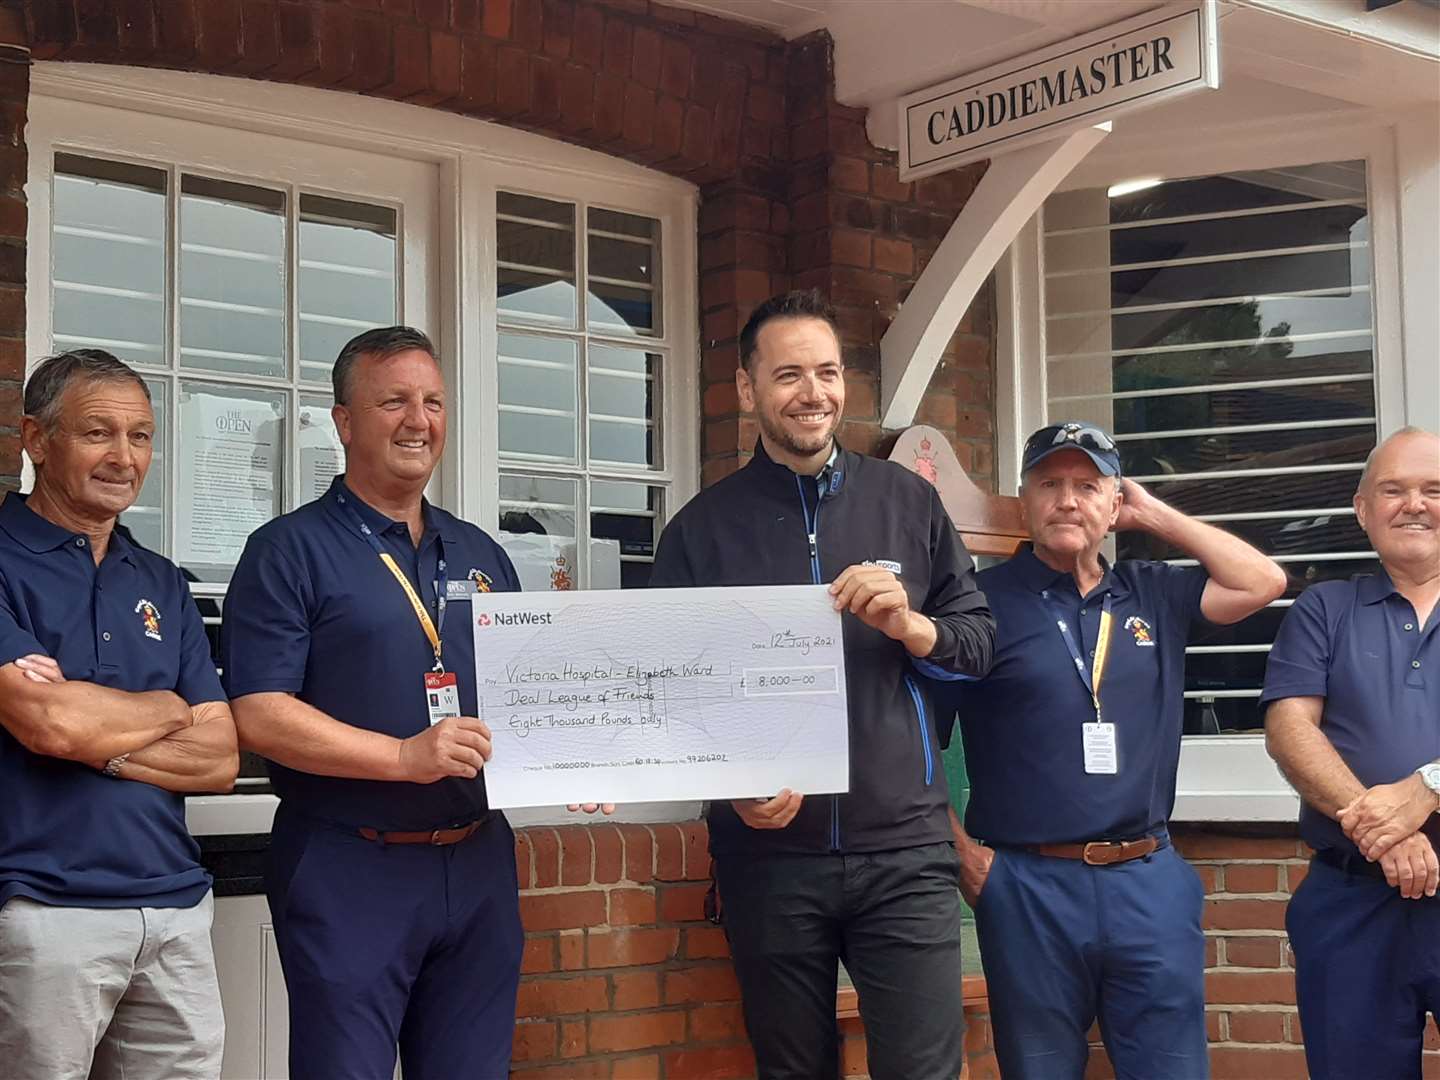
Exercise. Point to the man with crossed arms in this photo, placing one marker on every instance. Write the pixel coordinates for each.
(110, 712)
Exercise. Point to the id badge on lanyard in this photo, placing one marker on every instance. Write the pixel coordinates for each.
(1098, 743)
(441, 689)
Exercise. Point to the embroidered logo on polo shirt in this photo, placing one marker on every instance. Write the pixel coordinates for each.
(481, 579)
(1141, 631)
(150, 616)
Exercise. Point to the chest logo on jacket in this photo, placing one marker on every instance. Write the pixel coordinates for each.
(150, 617)
(885, 564)
(1140, 630)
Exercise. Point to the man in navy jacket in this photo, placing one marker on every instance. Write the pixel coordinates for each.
(870, 876)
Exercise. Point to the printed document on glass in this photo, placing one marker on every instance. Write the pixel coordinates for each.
(661, 694)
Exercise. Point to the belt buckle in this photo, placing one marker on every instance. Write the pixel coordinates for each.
(1111, 848)
(435, 840)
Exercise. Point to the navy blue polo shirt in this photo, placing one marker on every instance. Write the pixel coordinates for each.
(1022, 722)
(68, 834)
(1358, 645)
(313, 611)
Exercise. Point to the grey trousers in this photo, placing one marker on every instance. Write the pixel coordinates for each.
(108, 993)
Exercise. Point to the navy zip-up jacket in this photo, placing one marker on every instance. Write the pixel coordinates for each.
(755, 527)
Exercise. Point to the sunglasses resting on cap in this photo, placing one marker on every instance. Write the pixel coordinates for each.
(1071, 435)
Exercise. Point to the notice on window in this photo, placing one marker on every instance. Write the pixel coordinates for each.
(322, 458)
(227, 476)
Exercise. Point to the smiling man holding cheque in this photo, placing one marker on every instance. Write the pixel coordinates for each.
(869, 876)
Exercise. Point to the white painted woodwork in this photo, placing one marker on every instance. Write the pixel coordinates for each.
(1009, 194)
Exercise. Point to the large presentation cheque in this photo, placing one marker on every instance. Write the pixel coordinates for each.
(661, 694)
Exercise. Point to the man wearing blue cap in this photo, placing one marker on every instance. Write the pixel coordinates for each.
(1072, 741)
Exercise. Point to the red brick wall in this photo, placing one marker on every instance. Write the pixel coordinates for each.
(14, 96)
(623, 977)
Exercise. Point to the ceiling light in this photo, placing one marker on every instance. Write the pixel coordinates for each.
(1129, 187)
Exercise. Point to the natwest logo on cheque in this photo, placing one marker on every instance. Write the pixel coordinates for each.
(515, 618)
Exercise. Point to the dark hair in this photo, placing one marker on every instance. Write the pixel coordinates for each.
(47, 383)
(796, 304)
(381, 342)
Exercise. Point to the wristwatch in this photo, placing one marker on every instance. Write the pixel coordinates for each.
(112, 767)
(1430, 777)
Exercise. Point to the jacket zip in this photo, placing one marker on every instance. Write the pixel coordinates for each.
(924, 733)
(812, 534)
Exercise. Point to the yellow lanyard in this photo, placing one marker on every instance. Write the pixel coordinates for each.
(1102, 652)
(1090, 678)
(426, 623)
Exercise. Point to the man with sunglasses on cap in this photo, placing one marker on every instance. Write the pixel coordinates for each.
(1083, 908)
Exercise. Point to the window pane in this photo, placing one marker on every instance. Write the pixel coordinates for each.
(535, 252)
(145, 518)
(230, 473)
(232, 277)
(322, 457)
(624, 525)
(347, 277)
(624, 273)
(108, 251)
(623, 402)
(537, 530)
(1233, 335)
(538, 412)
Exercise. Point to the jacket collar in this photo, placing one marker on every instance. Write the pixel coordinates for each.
(771, 471)
(1039, 577)
(40, 535)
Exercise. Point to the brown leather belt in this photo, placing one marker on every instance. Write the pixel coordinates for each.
(435, 837)
(1100, 852)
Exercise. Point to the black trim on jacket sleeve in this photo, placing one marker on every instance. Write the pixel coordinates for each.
(964, 627)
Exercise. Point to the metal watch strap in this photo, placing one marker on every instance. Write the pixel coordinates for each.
(112, 767)
(1430, 776)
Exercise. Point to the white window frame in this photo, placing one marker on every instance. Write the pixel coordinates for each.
(1231, 777)
(473, 158)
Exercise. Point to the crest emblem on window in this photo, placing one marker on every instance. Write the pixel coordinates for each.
(150, 617)
(560, 578)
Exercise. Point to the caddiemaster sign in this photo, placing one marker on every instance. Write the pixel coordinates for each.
(1127, 66)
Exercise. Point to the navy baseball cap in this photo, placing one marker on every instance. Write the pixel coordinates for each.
(1097, 445)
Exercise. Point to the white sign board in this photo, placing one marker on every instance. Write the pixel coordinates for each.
(1044, 95)
(647, 695)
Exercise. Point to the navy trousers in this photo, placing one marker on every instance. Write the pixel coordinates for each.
(1367, 970)
(392, 944)
(1064, 943)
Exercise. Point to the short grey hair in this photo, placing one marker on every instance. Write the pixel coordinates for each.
(381, 342)
(48, 382)
(1408, 429)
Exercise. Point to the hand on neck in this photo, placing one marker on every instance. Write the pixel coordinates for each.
(58, 510)
(1083, 566)
(801, 464)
